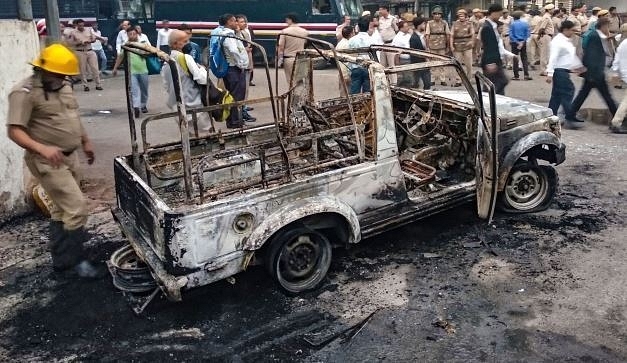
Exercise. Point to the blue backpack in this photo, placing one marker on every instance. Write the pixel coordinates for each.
(218, 63)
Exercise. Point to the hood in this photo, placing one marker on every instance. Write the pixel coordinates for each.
(511, 112)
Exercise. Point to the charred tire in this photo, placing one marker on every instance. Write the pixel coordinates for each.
(529, 188)
(299, 259)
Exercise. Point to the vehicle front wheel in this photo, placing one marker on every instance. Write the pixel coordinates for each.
(529, 188)
(299, 259)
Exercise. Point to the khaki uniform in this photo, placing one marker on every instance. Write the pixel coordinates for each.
(388, 27)
(583, 21)
(87, 58)
(544, 33)
(437, 34)
(533, 45)
(576, 39)
(557, 23)
(291, 46)
(614, 30)
(477, 24)
(463, 41)
(52, 118)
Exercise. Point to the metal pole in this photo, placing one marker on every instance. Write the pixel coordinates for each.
(53, 30)
(25, 9)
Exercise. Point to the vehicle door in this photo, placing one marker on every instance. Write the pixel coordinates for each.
(486, 166)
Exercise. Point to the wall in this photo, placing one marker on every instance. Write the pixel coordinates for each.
(19, 44)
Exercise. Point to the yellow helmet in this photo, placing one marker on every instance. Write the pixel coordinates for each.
(57, 59)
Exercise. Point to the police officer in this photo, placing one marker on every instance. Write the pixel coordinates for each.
(462, 42)
(43, 118)
(544, 32)
(438, 39)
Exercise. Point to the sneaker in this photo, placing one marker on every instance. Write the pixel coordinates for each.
(136, 109)
(527, 78)
(144, 109)
(515, 78)
(250, 119)
(234, 126)
(618, 129)
(99, 88)
(87, 270)
(252, 84)
(86, 89)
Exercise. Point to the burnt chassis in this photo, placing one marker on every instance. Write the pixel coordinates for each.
(139, 193)
(137, 174)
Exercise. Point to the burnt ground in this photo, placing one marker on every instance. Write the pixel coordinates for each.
(550, 286)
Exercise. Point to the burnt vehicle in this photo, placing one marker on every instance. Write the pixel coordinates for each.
(328, 171)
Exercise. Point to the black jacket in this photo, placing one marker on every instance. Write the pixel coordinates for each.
(594, 57)
(416, 43)
(490, 46)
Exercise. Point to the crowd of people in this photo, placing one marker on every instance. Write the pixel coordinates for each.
(552, 39)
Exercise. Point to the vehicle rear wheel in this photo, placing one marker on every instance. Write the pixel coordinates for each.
(529, 188)
(299, 259)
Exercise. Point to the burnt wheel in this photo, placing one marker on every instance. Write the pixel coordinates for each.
(299, 259)
(529, 188)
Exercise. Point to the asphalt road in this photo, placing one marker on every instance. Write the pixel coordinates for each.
(551, 286)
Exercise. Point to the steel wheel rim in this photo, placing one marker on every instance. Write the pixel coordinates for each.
(526, 189)
(299, 260)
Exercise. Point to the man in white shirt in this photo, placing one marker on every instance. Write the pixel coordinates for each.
(360, 80)
(97, 47)
(141, 37)
(235, 80)
(401, 39)
(619, 66)
(563, 60)
(344, 74)
(163, 36)
(191, 76)
(122, 36)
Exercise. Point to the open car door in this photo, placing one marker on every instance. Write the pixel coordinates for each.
(486, 166)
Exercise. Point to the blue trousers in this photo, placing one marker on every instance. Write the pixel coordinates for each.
(235, 83)
(360, 80)
(102, 59)
(139, 90)
(562, 93)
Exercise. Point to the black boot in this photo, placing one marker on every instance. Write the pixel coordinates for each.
(83, 267)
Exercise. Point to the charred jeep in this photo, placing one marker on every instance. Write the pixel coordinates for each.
(329, 171)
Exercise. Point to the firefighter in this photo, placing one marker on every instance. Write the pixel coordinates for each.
(43, 119)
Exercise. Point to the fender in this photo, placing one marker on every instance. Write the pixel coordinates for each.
(520, 148)
(300, 209)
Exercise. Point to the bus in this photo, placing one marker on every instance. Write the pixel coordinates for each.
(266, 18)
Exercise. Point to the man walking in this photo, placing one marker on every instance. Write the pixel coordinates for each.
(139, 75)
(289, 45)
(619, 66)
(563, 60)
(235, 80)
(462, 42)
(493, 50)
(97, 47)
(595, 59)
(477, 19)
(615, 24)
(438, 37)
(518, 34)
(163, 36)
(43, 119)
(418, 41)
(81, 38)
